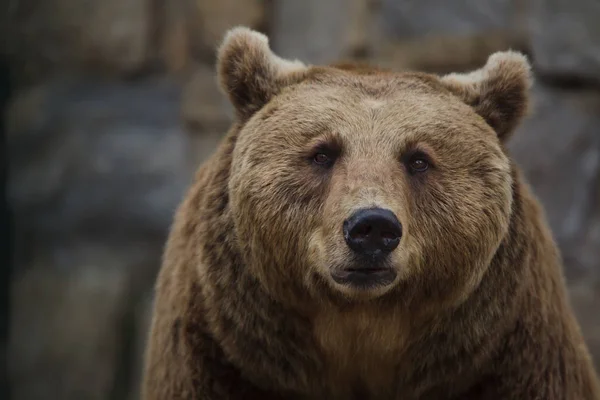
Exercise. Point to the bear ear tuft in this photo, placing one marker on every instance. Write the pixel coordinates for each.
(499, 92)
(250, 73)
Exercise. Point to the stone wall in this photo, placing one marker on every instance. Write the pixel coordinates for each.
(115, 104)
(6, 244)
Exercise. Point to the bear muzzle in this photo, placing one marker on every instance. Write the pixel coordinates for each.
(372, 234)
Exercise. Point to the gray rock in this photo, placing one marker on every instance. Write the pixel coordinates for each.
(97, 170)
(96, 157)
(48, 37)
(191, 30)
(208, 20)
(205, 111)
(411, 18)
(313, 31)
(70, 321)
(565, 38)
(585, 299)
(143, 312)
(558, 148)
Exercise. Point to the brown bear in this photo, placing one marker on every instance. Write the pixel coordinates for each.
(363, 234)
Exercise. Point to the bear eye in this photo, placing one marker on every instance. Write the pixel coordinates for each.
(418, 163)
(321, 159)
(325, 153)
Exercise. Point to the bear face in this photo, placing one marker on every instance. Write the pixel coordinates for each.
(355, 184)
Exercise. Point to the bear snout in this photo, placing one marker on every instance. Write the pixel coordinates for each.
(372, 232)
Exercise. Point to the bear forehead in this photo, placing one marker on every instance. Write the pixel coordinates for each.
(328, 88)
(373, 79)
(376, 101)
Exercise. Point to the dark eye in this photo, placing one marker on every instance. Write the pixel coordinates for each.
(322, 159)
(325, 154)
(418, 163)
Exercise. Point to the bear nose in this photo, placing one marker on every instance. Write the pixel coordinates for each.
(372, 231)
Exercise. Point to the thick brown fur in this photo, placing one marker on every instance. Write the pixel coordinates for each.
(245, 304)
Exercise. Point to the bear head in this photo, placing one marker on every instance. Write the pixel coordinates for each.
(358, 183)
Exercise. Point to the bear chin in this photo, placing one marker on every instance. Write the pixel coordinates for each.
(365, 276)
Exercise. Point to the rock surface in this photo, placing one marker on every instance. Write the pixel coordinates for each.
(116, 38)
(97, 171)
(214, 18)
(85, 155)
(565, 37)
(463, 17)
(5, 232)
(190, 30)
(317, 31)
(205, 112)
(66, 330)
(558, 148)
(49, 37)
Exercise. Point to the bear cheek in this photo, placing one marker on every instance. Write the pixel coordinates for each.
(325, 247)
(328, 238)
(275, 214)
(448, 237)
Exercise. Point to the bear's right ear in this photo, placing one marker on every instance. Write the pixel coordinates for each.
(250, 73)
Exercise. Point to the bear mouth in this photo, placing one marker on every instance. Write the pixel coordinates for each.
(365, 278)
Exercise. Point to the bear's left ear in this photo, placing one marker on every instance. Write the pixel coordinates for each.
(499, 92)
(250, 73)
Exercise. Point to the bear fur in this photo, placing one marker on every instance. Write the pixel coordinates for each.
(246, 307)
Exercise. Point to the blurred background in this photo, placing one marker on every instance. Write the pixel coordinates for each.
(110, 105)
